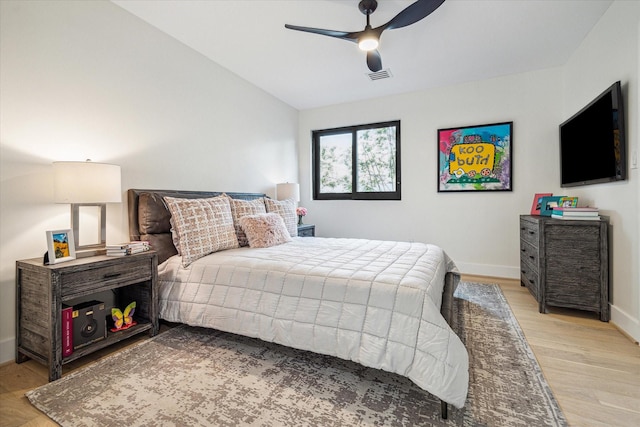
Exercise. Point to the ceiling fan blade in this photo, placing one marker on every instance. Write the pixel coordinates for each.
(374, 60)
(412, 14)
(349, 36)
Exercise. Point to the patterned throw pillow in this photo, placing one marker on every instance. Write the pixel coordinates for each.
(203, 226)
(287, 210)
(265, 230)
(240, 208)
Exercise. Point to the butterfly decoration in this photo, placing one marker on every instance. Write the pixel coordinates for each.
(124, 320)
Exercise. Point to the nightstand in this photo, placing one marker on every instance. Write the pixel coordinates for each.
(306, 230)
(42, 289)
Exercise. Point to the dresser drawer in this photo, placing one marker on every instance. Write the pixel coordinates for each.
(530, 279)
(110, 275)
(529, 232)
(529, 254)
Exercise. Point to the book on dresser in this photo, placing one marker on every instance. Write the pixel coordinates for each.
(576, 213)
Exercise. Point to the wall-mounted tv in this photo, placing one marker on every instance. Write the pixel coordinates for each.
(593, 143)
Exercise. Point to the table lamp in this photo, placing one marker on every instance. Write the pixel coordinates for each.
(288, 190)
(87, 184)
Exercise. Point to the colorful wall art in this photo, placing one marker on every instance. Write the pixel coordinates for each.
(475, 158)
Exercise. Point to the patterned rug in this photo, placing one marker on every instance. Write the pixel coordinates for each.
(198, 377)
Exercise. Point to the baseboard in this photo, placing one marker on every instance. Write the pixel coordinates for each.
(7, 350)
(628, 326)
(489, 270)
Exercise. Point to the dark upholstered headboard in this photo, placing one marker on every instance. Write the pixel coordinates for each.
(149, 216)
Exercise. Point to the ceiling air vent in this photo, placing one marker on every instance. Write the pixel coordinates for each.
(379, 75)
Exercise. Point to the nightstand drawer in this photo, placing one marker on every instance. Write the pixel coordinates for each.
(110, 275)
(306, 230)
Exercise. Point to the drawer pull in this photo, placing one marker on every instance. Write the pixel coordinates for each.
(531, 232)
(111, 275)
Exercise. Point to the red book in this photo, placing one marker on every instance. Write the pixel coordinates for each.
(67, 331)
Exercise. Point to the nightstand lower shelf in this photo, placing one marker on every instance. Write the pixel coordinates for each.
(112, 338)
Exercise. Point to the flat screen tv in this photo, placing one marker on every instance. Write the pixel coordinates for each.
(592, 142)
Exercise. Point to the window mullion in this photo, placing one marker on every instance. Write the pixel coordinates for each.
(354, 163)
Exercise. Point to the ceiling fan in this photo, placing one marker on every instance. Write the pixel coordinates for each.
(369, 38)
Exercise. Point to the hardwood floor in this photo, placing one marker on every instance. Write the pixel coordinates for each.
(592, 368)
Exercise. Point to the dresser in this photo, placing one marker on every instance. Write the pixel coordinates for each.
(565, 263)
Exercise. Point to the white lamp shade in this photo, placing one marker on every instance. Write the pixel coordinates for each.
(86, 182)
(288, 190)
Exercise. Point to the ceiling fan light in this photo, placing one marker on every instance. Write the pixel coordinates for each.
(368, 43)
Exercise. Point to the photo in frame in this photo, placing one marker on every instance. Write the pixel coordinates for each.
(475, 158)
(537, 202)
(548, 203)
(568, 202)
(60, 246)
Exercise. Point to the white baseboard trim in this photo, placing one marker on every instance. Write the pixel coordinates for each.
(489, 270)
(7, 350)
(627, 324)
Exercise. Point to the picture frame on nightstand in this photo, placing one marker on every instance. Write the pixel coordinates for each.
(61, 246)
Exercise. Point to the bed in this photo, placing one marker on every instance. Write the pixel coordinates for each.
(385, 305)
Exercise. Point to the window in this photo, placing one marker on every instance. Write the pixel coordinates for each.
(357, 162)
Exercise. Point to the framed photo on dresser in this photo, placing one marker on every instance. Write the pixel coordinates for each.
(537, 200)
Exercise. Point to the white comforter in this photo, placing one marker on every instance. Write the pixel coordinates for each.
(374, 302)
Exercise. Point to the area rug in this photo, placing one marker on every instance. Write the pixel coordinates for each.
(197, 377)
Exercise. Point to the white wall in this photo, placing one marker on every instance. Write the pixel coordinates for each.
(610, 53)
(88, 80)
(480, 230)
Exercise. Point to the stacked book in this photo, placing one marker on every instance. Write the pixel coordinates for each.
(128, 248)
(575, 213)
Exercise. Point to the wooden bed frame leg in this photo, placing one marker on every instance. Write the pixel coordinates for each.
(443, 409)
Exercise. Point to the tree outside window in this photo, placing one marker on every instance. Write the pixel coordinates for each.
(357, 162)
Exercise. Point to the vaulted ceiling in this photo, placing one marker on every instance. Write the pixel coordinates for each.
(462, 41)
